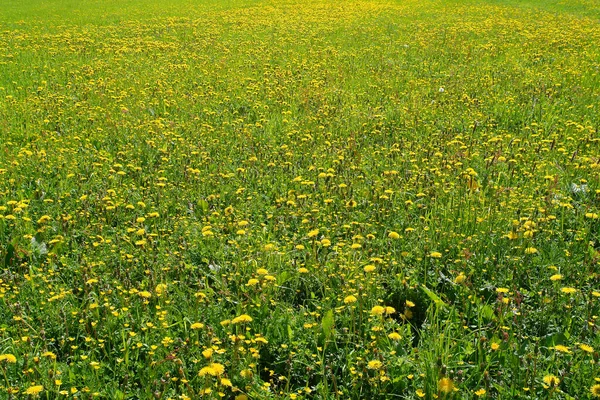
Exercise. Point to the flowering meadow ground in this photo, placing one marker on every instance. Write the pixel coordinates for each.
(299, 199)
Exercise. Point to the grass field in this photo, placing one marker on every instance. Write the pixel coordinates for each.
(300, 199)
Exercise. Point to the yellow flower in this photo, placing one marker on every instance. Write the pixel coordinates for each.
(420, 393)
(197, 325)
(145, 294)
(214, 369)
(531, 250)
(350, 299)
(395, 336)
(595, 390)
(313, 233)
(49, 354)
(460, 278)
(480, 393)
(369, 268)
(252, 282)
(562, 349)
(226, 382)
(161, 288)
(394, 235)
(242, 319)
(586, 348)
(262, 271)
(556, 277)
(377, 310)
(374, 364)
(551, 380)
(435, 254)
(303, 270)
(495, 346)
(445, 385)
(568, 290)
(246, 373)
(34, 390)
(9, 358)
(207, 353)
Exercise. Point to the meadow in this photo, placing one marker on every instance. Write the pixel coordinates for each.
(299, 199)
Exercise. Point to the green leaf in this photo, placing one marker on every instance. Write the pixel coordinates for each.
(203, 205)
(434, 297)
(327, 324)
(553, 339)
(10, 251)
(282, 277)
(487, 312)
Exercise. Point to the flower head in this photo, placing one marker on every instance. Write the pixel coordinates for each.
(9, 358)
(34, 390)
(551, 380)
(378, 310)
(445, 385)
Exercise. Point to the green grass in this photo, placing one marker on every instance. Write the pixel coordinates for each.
(299, 199)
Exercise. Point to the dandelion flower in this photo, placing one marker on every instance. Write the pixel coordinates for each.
(586, 348)
(9, 358)
(568, 290)
(214, 369)
(374, 364)
(34, 390)
(595, 391)
(551, 380)
(369, 268)
(394, 235)
(350, 299)
(460, 278)
(445, 385)
(562, 349)
(242, 319)
(377, 310)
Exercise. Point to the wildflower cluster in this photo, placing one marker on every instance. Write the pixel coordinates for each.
(300, 199)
